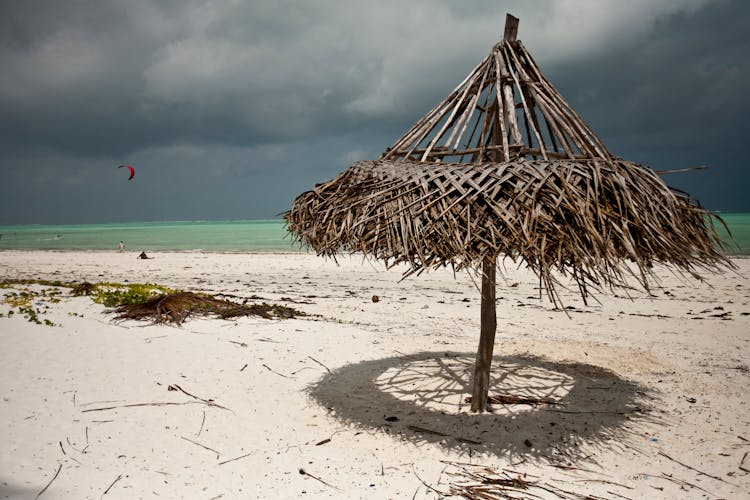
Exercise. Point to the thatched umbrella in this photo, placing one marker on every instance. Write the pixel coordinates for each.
(503, 166)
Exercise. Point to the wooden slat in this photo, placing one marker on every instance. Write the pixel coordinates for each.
(523, 101)
(456, 106)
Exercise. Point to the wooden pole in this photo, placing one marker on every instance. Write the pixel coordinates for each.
(483, 364)
(488, 320)
(511, 27)
(486, 338)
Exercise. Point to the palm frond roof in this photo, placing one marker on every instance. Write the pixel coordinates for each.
(503, 166)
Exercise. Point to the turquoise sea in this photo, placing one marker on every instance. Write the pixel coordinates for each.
(216, 236)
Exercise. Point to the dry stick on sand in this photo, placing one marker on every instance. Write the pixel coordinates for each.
(236, 458)
(506, 483)
(202, 422)
(50, 482)
(507, 399)
(113, 483)
(274, 371)
(172, 387)
(682, 482)
(321, 364)
(676, 481)
(159, 403)
(328, 439)
(305, 473)
(71, 444)
(440, 493)
(425, 430)
(618, 495)
(695, 470)
(606, 481)
(202, 446)
(64, 453)
(209, 402)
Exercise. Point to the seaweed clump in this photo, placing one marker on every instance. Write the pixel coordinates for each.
(177, 307)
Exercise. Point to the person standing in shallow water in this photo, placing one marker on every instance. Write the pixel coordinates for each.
(122, 246)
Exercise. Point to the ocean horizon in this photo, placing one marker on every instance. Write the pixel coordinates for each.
(191, 236)
(269, 235)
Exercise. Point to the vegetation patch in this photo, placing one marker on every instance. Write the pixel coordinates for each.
(28, 302)
(138, 301)
(177, 307)
(118, 294)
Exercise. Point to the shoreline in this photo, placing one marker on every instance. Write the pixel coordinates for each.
(368, 397)
(156, 252)
(243, 236)
(310, 253)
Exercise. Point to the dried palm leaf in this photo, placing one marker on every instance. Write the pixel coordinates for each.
(176, 308)
(600, 222)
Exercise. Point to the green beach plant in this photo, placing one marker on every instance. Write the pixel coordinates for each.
(25, 300)
(139, 301)
(119, 294)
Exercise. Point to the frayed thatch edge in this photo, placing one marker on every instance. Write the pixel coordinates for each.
(602, 223)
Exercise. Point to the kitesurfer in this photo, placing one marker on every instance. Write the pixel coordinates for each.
(132, 170)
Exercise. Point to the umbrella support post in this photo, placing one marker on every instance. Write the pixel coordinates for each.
(483, 363)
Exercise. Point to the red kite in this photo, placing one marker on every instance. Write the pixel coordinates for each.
(132, 170)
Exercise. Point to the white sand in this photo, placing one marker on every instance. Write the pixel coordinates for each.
(644, 383)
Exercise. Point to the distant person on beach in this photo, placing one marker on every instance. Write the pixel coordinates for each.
(122, 247)
(144, 256)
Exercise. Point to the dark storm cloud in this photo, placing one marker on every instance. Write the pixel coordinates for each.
(675, 98)
(687, 73)
(232, 108)
(91, 79)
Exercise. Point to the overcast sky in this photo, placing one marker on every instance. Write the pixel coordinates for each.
(229, 109)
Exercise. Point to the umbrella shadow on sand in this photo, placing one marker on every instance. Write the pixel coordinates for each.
(558, 410)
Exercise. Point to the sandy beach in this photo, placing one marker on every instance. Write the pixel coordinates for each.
(645, 396)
